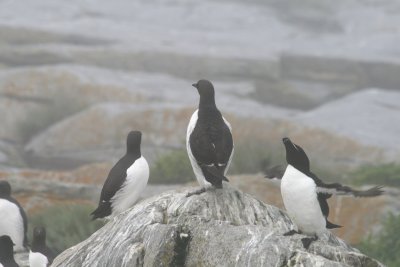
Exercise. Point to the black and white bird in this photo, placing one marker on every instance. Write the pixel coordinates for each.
(125, 182)
(209, 140)
(40, 254)
(7, 252)
(305, 195)
(13, 220)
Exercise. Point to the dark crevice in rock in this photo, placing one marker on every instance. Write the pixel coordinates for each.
(181, 248)
(165, 217)
(140, 259)
(289, 260)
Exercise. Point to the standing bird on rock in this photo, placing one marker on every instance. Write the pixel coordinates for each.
(126, 180)
(13, 220)
(7, 252)
(209, 140)
(305, 195)
(40, 254)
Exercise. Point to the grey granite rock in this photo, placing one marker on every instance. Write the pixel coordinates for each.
(367, 116)
(217, 228)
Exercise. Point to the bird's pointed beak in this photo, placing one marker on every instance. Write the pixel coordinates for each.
(194, 85)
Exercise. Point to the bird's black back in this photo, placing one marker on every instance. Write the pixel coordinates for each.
(211, 141)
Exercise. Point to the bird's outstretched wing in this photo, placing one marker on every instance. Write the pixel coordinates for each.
(339, 189)
(275, 172)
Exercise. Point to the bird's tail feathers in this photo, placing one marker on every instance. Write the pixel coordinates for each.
(214, 175)
(330, 225)
(103, 210)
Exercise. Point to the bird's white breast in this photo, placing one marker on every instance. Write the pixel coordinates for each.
(300, 199)
(37, 259)
(137, 177)
(11, 223)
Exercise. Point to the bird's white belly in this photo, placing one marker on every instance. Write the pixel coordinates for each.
(300, 199)
(136, 181)
(11, 223)
(37, 259)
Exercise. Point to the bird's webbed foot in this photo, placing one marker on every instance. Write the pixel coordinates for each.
(196, 192)
(308, 240)
(291, 232)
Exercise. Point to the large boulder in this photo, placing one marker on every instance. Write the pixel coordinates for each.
(368, 116)
(217, 228)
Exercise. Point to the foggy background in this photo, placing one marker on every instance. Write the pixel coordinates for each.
(77, 76)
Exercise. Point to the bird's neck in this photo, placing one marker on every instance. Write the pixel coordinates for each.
(37, 245)
(134, 153)
(207, 102)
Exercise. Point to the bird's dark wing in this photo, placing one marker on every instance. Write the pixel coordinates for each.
(325, 191)
(323, 201)
(24, 219)
(49, 253)
(113, 183)
(275, 172)
(202, 147)
(223, 142)
(338, 189)
(212, 146)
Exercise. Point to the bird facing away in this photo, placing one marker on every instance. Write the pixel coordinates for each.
(126, 180)
(7, 252)
(40, 254)
(305, 195)
(209, 140)
(13, 220)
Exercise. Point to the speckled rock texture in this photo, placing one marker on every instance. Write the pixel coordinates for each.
(217, 228)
